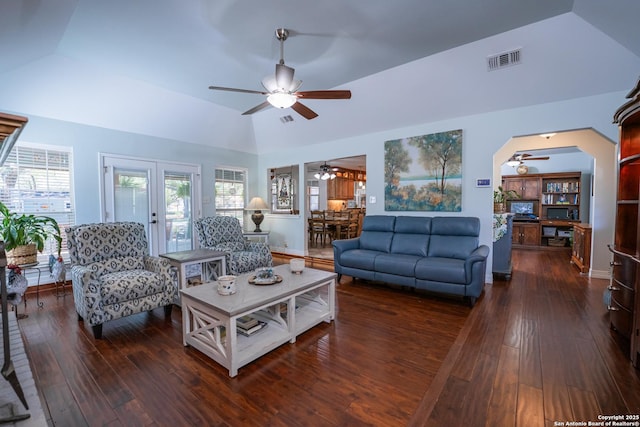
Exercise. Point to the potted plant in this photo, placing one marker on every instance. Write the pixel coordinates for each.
(500, 197)
(25, 234)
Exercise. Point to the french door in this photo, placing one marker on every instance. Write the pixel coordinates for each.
(165, 197)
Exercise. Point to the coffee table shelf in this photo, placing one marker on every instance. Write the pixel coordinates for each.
(289, 308)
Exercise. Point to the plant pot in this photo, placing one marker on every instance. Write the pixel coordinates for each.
(499, 207)
(22, 255)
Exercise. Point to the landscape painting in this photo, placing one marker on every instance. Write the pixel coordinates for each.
(424, 173)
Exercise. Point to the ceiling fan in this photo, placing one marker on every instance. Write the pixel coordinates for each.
(326, 172)
(518, 159)
(282, 89)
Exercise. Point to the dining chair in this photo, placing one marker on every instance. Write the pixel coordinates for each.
(316, 226)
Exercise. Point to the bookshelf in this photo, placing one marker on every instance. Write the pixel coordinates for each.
(560, 191)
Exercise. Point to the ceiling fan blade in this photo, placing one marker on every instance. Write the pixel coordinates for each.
(231, 89)
(284, 76)
(257, 108)
(324, 94)
(304, 111)
(536, 158)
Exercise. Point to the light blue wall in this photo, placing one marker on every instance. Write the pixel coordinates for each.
(88, 141)
(483, 135)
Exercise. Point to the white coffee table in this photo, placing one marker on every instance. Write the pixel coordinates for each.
(289, 308)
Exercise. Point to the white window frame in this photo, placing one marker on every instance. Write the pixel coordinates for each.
(50, 201)
(236, 211)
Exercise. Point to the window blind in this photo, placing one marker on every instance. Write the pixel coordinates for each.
(230, 188)
(36, 180)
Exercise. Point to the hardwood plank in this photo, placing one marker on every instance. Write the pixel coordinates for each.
(530, 408)
(504, 396)
(535, 348)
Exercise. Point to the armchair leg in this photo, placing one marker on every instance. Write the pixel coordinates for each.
(167, 310)
(97, 331)
(339, 277)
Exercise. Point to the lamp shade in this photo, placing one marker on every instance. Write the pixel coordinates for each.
(256, 204)
(281, 99)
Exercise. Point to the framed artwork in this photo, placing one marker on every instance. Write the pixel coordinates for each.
(424, 173)
(284, 192)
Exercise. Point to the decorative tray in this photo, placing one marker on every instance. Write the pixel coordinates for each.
(276, 278)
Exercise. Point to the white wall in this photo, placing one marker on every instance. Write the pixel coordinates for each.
(483, 136)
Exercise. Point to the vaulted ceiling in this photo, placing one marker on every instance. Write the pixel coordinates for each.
(144, 66)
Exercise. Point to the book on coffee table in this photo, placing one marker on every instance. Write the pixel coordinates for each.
(252, 330)
(246, 322)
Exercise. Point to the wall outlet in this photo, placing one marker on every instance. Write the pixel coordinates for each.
(372, 199)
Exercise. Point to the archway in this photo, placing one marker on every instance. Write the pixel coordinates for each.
(603, 198)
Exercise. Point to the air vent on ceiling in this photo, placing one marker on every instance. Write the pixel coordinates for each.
(505, 59)
(286, 119)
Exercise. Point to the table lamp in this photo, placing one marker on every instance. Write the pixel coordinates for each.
(256, 205)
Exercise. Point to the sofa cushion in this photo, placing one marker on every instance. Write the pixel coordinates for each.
(411, 235)
(115, 265)
(398, 264)
(128, 285)
(377, 233)
(359, 258)
(438, 269)
(453, 237)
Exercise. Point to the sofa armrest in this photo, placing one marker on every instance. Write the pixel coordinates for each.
(479, 255)
(343, 245)
(86, 293)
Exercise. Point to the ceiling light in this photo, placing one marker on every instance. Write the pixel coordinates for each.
(281, 99)
(547, 135)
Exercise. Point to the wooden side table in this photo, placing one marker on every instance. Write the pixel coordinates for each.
(212, 263)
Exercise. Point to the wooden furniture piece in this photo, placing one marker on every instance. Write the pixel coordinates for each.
(526, 233)
(581, 250)
(10, 128)
(288, 308)
(625, 301)
(556, 208)
(527, 187)
(211, 264)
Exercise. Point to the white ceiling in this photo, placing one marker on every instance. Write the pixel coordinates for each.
(144, 66)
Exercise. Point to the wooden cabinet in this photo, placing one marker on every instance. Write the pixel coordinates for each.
(581, 250)
(527, 187)
(340, 189)
(526, 233)
(625, 301)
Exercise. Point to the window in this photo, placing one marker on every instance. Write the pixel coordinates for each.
(230, 192)
(36, 179)
(313, 193)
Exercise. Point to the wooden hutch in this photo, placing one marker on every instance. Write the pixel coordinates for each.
(624, 308)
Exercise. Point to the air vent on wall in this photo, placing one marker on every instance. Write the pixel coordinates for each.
(506, 59)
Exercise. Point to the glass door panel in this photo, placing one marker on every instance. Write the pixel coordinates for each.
(178, 223)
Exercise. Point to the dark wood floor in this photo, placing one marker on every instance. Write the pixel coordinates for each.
(533, 351)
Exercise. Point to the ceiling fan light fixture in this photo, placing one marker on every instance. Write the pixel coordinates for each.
(513, 163)
(547, 135)
(281, 99)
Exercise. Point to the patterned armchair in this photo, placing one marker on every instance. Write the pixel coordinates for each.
(113, 275)
(224, 233)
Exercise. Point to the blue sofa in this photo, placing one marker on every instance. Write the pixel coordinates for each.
(438, 254)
